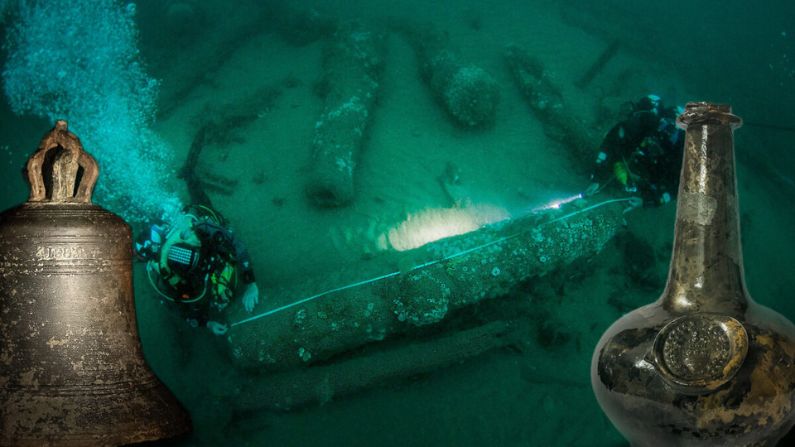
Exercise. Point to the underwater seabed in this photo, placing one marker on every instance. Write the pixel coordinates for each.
(303, 250)
(530, 390)
(515, 367)
(533, 374)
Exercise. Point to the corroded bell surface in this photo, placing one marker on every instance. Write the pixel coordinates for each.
(71, 368)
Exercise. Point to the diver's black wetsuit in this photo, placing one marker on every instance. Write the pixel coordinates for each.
(219, 248)
(202, 280)
(221, 242)
(642, 155)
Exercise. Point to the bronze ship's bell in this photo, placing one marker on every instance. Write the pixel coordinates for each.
(71, 368)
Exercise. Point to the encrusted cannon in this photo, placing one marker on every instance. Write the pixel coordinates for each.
(430, 282)
(352, 62)
(467, 92)
(547, 103)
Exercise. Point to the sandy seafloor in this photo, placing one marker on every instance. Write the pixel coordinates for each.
(542, 395)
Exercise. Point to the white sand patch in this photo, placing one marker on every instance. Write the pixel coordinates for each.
(439, 223)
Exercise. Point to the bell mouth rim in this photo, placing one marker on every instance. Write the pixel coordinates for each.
(732, 331)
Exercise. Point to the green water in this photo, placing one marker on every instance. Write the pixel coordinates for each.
(212, 57)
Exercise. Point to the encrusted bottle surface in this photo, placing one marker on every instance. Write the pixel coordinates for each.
(704, 365)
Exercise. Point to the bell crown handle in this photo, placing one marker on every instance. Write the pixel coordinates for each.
(67, 159)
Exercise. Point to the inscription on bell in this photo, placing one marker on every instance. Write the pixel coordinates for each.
(62, 252)
(72, 372)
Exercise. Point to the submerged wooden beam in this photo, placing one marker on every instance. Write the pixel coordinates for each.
(218, 127)
(214, 50)
(599, 64)
(297, 389)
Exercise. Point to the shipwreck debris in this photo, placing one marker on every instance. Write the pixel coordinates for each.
(298, 389)
(219, 127)
(352, 66)
(433, 281)
(599, 64)
(547, 103)
(467, 92)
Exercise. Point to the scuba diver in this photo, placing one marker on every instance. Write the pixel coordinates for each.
(642, 155)
(197, 263)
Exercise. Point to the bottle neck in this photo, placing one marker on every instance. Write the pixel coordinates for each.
(706, 272)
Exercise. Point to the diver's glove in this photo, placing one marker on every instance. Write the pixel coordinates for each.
(251, 297)
(634, 203)
(217, 328)
(592, 189)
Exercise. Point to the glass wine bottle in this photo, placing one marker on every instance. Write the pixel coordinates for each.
(704, 365)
